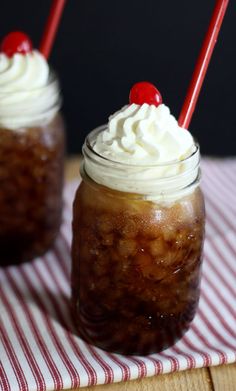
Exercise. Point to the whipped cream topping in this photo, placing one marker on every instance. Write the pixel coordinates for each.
(144, 135)
(28, 92)
(142, 150)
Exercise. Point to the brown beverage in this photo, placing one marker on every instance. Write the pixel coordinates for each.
(136, 257)
(31, 180)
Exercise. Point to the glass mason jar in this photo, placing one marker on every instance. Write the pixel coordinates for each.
(136, 257)
(31, 172)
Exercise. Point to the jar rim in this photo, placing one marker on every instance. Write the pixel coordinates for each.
(93, 135)
(20, 109)
(158, 181)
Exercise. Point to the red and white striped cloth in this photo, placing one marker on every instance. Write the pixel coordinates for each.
(38, 350)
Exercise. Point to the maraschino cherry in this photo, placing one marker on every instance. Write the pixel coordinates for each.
(145, 92)
(16, 42)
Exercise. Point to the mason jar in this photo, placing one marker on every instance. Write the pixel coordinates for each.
(31, 171)
(136, 256)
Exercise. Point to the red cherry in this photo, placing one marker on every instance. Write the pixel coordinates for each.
(145, 92)
(16, 42)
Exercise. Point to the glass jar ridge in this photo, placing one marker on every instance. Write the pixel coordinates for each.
(170, 180)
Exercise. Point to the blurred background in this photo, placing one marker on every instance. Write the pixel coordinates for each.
(105, 46)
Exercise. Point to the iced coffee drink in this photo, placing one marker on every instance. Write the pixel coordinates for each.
(138, 230)
(31, 152)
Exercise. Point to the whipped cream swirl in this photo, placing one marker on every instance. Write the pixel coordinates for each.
(144, 135)
(28, 92)
(143, 150)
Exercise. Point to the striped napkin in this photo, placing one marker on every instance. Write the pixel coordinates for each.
(39, 349)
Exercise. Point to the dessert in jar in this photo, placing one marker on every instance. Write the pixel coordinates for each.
(138, 229)
(31, 152)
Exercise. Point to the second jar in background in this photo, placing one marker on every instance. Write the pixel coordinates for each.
(31, 160)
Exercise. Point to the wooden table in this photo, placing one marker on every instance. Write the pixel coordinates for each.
(221, 378)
